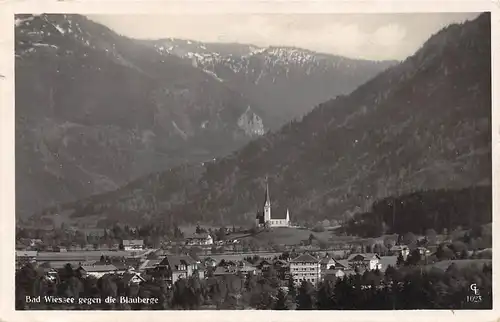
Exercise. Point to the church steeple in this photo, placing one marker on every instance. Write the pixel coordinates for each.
(267, 204)
(267, 200)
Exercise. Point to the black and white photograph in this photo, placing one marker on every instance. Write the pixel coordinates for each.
(253, 161)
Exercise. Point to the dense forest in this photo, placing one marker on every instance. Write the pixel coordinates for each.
(423, 210)
(404, 287)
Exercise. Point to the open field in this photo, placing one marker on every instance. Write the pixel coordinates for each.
(461, 263)
(86, 255)
(287, 236)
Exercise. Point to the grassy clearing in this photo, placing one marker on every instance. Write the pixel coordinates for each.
(461, 263)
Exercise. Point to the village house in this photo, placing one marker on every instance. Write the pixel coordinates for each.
(400, 249)
(282, 268)
(60, 249)
(123, 267)
(368, 261)
(224, 270)
(148, 265)
(423, 251)
(305, 268)
(263, 264)
(327, 263)
(94, 234)
(97, 271)
(341, 264)
(132, 279)
(50, 274)
(199, 239)
(134, 244)
(246, 269)
(333, 274)
(176, 267)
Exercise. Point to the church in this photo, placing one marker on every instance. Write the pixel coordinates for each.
(264, 217)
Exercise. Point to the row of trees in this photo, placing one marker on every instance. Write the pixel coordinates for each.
(406, 287)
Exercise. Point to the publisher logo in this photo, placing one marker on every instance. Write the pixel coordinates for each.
(476, 297)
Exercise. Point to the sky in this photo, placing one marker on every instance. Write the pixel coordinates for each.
(364, 36)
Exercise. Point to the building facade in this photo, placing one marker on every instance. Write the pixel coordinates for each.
(402, 250)
(136, 244)
(97, 271)
(264, 217)
(176, 267)
(199, 239)
(367, 261)
(305, 268)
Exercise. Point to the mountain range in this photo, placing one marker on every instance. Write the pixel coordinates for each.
(420, 125)
(287, 82)
(96, 110)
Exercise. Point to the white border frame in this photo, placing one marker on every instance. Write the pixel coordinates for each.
(7, 174)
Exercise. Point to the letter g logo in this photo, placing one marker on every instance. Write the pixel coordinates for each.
(474, 289)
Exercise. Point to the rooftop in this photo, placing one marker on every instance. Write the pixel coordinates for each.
(127, 277)
(174, 261)
(305, 258)
(198, 236)
(133, 242)
(326, 259)
(99, 268)
(365, 256)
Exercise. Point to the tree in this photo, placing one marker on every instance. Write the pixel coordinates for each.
(281, 300)
(305, 296)
(410, 239)
(413, 258)
(292, 290)
(463, 254)
(318, 227)
(443, 253)
(458, 247)
(325, 299)
(221, 234)
(389, 243)
(25, 281)
(431, 236)
(400, 260)
(311, 238)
